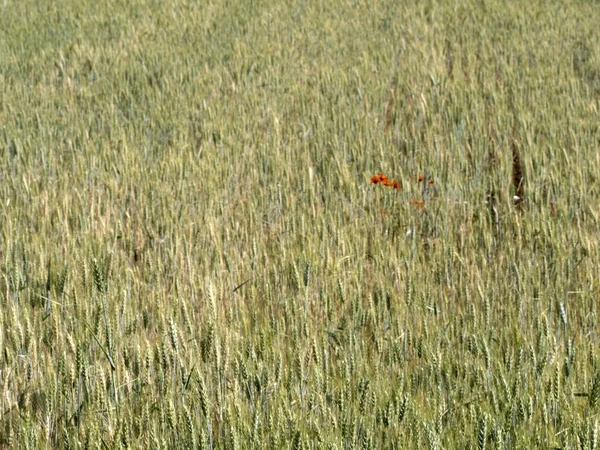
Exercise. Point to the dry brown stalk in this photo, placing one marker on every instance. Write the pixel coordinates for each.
(518, 176)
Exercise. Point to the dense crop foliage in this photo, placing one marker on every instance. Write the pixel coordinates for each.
(199, 249)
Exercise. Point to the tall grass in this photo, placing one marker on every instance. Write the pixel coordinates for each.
(192, 256)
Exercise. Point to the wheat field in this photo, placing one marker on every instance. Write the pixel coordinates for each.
(339, 224)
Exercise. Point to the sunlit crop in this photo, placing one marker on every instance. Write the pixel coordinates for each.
(299, 225)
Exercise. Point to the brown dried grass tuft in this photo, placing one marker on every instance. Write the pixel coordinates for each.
(518, 176)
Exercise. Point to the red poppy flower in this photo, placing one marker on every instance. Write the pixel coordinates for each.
(419, 203)
(374, 179)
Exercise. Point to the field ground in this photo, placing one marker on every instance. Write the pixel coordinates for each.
(192, 255)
